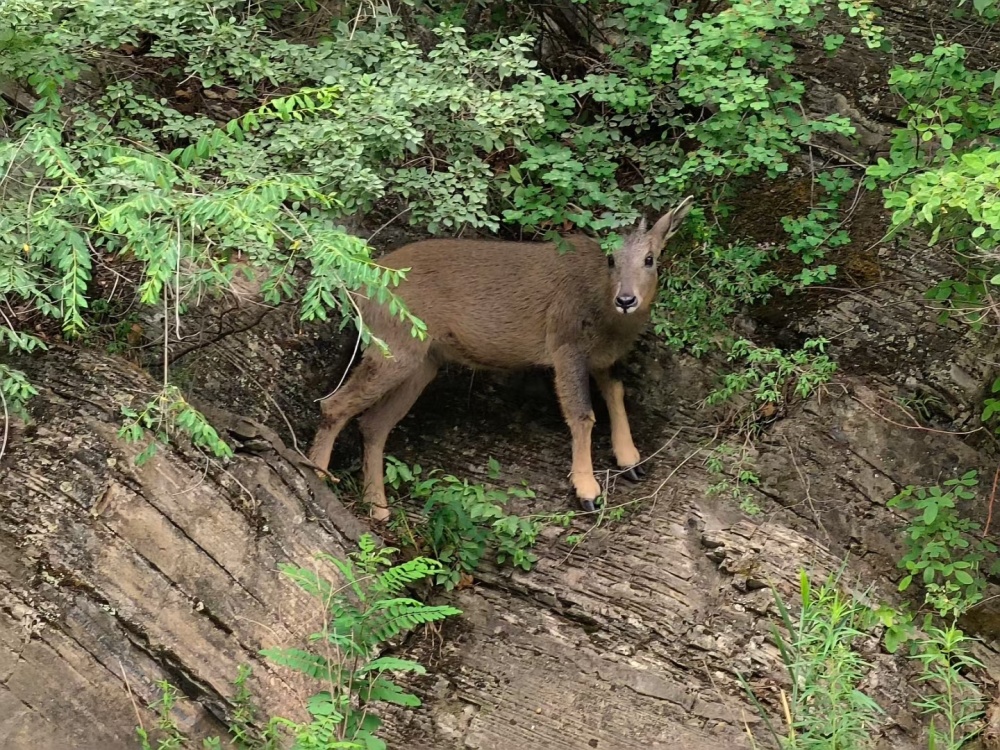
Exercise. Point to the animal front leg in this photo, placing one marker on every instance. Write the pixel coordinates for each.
(626, 454)
(573, 388)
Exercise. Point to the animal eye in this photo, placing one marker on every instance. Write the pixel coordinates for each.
(611, 261)
(649, 261)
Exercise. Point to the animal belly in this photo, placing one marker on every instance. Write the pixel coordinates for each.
(499, 354)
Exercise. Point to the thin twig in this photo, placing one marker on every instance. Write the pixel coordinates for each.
(177, 282)
(232, 476)
(166, 340)
(131, 695)
(354, 354)
(288, 424)
(388, 222)
(611, 474)
(191, 487)
(6, 423)
(652, 495)
(843, 156)
(912, 427)
(805, 485)
(916, 422)
(993, 497)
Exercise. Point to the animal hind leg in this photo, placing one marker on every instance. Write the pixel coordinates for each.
(626, 454)
(377, 422)
(374, 377)
(573, 389)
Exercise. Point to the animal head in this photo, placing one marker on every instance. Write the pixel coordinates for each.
(634, 265)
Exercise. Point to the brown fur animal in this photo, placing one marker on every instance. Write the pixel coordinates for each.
(506, 305)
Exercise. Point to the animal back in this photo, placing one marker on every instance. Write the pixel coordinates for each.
(491, 304)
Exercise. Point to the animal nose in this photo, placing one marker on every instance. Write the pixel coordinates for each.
(626, 303)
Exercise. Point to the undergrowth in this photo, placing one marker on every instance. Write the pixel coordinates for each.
(825, 702)
(760, 391)
(365, 611)
(946, 552)
(471, 135)
(825, 706)
(460, 522)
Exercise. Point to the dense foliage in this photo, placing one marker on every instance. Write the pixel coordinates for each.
(181, 143)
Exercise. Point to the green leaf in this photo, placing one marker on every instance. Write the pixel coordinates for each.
(963, 577)
(392, 664)
(389, 692)
(893, 638)
(930, 513)
(321, 705)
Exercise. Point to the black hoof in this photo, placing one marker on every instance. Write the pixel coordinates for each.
(588, 506)
(635, 473)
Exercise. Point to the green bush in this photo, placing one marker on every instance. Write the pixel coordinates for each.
(461, 521)
(944, 551)
(943, 169)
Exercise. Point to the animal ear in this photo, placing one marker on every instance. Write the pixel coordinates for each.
(668, 224)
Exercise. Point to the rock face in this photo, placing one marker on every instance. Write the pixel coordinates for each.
(113, 577)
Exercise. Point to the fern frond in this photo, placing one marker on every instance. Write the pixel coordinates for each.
(323, 704)
(308, 581)
(396, 604)
(346, 640)
(384, 628)
(391, 664)
(361, 728)
(313, 665)
(385, 690)
(395, 579)
(344, 613)
(366, 544)
(346, 569)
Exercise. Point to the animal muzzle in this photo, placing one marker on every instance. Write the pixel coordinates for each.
(626, 303)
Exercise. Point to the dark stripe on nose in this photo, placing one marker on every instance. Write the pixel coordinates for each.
(626, 302)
